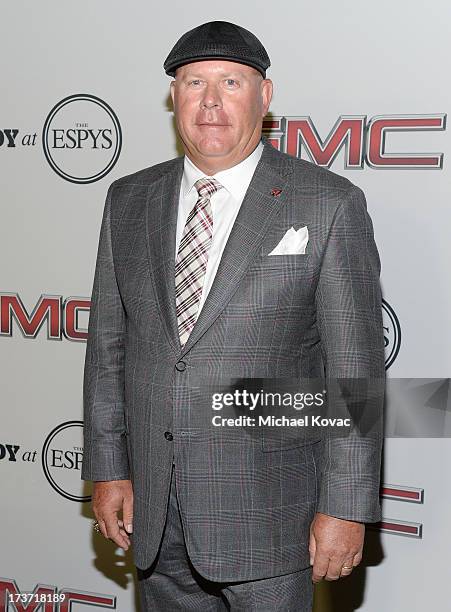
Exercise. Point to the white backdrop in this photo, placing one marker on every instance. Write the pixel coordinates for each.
(329, 61)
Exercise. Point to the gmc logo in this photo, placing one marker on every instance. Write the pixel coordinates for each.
(61, 317)
(394, 526)
(365, 141)
(47, 598)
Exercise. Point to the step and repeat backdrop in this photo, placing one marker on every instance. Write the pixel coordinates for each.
(361, 89)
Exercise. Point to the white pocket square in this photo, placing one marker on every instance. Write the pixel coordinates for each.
(293, 242)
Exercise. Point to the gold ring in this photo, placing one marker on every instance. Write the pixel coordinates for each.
(346, 567)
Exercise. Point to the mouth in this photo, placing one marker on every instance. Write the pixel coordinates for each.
(213, 125)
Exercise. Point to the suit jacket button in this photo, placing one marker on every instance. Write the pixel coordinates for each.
(168, 436)
(180, 366)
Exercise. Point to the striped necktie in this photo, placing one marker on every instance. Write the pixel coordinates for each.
(192, 257)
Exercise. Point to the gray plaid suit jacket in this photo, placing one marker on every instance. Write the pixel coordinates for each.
(246, 501)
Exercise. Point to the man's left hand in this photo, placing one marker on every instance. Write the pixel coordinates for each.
(334, 543)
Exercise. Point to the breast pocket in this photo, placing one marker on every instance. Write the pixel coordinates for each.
(272, 273)
(289, 262)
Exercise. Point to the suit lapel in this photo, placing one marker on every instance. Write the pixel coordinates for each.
(259, 208)
(161, 225)
(261, 205)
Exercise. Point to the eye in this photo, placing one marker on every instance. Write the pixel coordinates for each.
(194, 83)
(231, 83)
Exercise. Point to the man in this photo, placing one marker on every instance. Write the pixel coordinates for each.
(186, 288)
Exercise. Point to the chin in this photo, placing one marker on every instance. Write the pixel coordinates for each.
(213, 147)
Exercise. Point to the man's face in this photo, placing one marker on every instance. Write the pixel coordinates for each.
(219, 107)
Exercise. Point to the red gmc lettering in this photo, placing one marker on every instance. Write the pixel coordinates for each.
(61, 318)
(362, 140)
(45, 598)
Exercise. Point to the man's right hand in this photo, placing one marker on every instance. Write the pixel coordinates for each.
(108, 499)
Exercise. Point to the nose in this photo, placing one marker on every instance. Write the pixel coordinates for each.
(211, 97)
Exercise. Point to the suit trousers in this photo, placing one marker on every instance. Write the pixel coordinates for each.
(172, 583)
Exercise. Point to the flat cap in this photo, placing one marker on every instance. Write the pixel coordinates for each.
(218, 40)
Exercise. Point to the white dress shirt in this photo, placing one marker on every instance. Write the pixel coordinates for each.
(225, 205)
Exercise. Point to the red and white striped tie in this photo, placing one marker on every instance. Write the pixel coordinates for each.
(192, 257)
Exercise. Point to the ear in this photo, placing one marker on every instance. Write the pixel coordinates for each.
(266, 92)
(172, 90)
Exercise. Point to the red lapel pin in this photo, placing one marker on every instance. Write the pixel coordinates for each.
(276, 192)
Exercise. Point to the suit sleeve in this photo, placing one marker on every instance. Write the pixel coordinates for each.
(349, 320)
(105, 449)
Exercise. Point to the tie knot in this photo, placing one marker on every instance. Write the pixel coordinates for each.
(207, 186)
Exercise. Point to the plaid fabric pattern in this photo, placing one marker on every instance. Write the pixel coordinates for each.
(192, 257)
(246, 501)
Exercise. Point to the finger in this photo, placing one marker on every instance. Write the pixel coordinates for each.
(312, 548)
(347, 567)
(334, 569)
(320, 565)
(113, 531)
(124, 534)
(122, 531)
(102, 527)
(357, 559)
(120, 522)
(127, 513)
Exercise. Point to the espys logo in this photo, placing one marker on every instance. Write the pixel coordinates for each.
(392, 333)
(62, 455)
(82, 138)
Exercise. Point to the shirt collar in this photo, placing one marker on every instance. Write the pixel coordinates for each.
(235, 179)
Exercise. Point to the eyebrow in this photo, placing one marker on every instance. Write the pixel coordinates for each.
(196, 75)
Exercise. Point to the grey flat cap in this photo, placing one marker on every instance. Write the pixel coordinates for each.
(218, 40)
